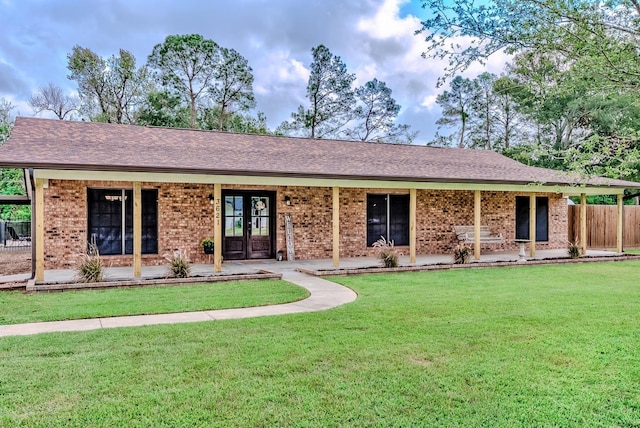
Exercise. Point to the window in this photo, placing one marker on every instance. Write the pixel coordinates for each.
(111, 220)
(542, 218)
(388, 216)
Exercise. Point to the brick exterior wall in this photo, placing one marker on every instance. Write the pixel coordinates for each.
(185, 217)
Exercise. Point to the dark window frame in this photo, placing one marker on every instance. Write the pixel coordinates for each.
(542, 218)
(388, 216)
(110, 221)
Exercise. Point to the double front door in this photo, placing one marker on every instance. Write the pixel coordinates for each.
(248, 225)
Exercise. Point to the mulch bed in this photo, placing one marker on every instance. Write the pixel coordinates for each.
(14, 262)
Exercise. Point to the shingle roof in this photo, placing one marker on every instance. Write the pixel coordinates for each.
(54, 144)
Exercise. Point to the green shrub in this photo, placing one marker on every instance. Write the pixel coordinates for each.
(387, 252)
(179, 266)
(461, 254)
(89, 266)
(573, 249)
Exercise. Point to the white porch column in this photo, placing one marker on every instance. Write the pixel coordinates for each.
(217, 227)
(137, 229)
(412, 225)
(477, 199)
(620, 226)
(335, 220)
(532, 225)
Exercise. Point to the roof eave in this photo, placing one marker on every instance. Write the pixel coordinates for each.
(257, 173)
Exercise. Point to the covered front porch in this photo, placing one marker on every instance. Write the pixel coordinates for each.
(332, 216)
(350, 265)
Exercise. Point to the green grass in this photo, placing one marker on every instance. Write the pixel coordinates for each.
(528, 346)
(18, 307)
(633, 251)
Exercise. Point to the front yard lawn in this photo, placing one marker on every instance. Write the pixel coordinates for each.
(18, 307)
(523, 346)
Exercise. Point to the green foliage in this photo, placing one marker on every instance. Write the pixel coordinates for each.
(209, 241)
(600, 200)
(187, 66)
(456, 105)
(6, 119)
(111, 89)
(163, 109)
(606, 157)
(387, 253)
(375, 114)
(573, 78)
(573, 249)
(12, 183)
(331, 98)
(11, 179)
(336, 110)
(179, 265)
(481, 113)
(89, 267)
(601, 36)
(232, 89)
(234, 122)
(215, 82)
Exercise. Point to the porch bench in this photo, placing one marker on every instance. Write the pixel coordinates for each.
(466, 234)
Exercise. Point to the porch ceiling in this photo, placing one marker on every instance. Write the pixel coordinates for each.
(155, 177)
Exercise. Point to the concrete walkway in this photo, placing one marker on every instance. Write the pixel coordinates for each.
(324, 295)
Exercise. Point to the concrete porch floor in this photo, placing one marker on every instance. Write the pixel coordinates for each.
(232, 267)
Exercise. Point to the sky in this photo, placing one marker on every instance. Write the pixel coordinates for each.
(374, 38)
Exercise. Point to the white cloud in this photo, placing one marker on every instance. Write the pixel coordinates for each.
(429, 102)
(277, 71)
(373, 38)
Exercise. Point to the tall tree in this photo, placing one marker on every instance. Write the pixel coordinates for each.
(6, 120)
(375, 115)
(232, 89)
(604, 35)
(456, 105)
(187, 65)
(546, 92)
(52, 98)
(330, 96)
(507, 118)
(483, 111)
(111, 89)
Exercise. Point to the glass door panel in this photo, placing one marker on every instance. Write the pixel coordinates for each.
(234, 247)
(260, 242)
(248, 225)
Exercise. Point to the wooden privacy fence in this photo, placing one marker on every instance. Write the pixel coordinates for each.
(602, 223)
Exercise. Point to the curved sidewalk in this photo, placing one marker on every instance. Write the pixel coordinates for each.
(324, 295)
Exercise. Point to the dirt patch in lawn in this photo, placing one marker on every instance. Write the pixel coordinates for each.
(14, 262)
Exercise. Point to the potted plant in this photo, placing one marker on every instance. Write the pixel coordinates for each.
(208, 244)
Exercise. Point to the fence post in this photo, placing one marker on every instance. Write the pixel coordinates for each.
(583, 223)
